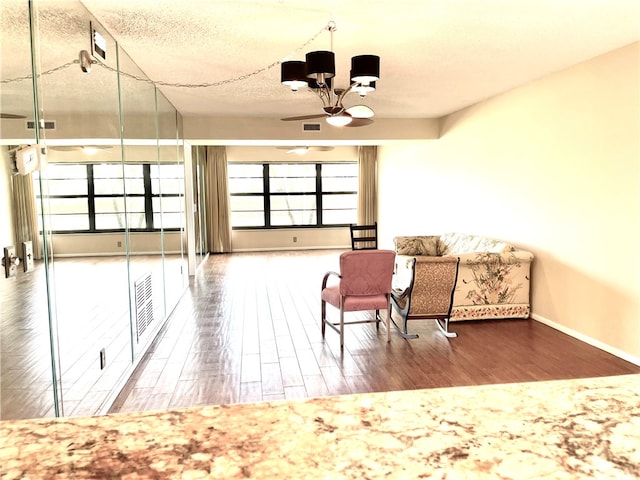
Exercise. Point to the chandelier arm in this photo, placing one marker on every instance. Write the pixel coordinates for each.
(325, 96)
(344, 94)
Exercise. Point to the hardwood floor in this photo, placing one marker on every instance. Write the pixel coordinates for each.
(90, 298)
(248, 330)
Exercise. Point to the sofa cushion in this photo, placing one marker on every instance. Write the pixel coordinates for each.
(458, 243)
(429, 245)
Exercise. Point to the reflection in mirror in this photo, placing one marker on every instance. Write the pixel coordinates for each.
(109, 209)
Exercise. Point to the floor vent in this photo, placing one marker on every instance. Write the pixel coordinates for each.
(311, 127)
(144, 303)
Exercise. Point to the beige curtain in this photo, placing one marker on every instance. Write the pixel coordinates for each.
(217, 198)
(367, 185)
(25, 214)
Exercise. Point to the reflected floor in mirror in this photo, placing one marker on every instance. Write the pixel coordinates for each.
(90, 298)
(248, 330)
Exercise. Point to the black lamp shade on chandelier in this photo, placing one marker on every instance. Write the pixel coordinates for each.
(293, 74)
(321, 65)
(365, 69)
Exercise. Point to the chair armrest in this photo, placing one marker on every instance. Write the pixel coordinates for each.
(325, 279)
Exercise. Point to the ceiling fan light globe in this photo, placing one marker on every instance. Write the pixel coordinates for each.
(360, 111)
(295, 85)
(339, 120)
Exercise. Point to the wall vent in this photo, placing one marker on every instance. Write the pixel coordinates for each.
(310, 127)
(144, 303)
(46, 124)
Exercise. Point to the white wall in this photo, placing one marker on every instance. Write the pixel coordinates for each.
(553, 167)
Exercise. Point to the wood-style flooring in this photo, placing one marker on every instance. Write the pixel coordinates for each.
(248, 330)
(90, 301)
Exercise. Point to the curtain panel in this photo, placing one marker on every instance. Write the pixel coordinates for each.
(25, 214)
(367, 185)
(217, 200)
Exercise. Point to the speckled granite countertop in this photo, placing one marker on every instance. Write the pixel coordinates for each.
(586, 428)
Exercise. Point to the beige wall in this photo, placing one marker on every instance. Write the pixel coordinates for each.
(104, 244)
(552, 166)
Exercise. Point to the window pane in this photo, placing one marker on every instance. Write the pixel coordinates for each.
(246, 185)
(291, 185)
(166, 186)
(340, 184)
(340, 201)
(114, 221)
(166, 171)
(295, 202)
(293, 217)
(67, 222)
(66, 205)
(166, 204)
(292, 170)
(115, 171)
(65, 187)
(61, 170)
(246, 203)
(245, 178)
(339, 217)
(247, 219)
(115, 186)
(244, 170)
(167, 220)
(340, 177)
(340, 170)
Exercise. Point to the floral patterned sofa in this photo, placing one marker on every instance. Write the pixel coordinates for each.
(493, 276)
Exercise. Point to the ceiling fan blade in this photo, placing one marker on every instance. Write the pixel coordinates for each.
(71, 148)
(303, 117)
(359, 122)
(360, 111)
(11, 116)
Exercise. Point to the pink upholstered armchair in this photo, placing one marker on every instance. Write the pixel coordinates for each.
(364, 283)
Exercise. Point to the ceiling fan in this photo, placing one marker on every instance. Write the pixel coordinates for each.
(335, 112)
(317, 73)
(302, 150)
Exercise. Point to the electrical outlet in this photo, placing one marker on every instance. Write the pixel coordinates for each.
(103, 359)
(119, 244)
(295, 239)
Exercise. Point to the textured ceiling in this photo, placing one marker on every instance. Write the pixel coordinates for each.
(437, 56)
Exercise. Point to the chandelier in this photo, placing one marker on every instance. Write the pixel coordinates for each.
(317, 73)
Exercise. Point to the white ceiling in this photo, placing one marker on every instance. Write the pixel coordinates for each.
(437, 56)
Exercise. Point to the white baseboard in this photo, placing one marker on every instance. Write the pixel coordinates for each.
(284, 249)
(588, 340)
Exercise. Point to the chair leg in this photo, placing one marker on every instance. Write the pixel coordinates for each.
(323, 316)
(389, 324)
(402, 331)
(341, 327)
(445, 328)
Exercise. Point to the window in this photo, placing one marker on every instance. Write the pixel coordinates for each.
(274, 195)
(93, 198)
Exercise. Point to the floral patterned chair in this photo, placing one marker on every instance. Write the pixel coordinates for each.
(493, 277)
(429, 294)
